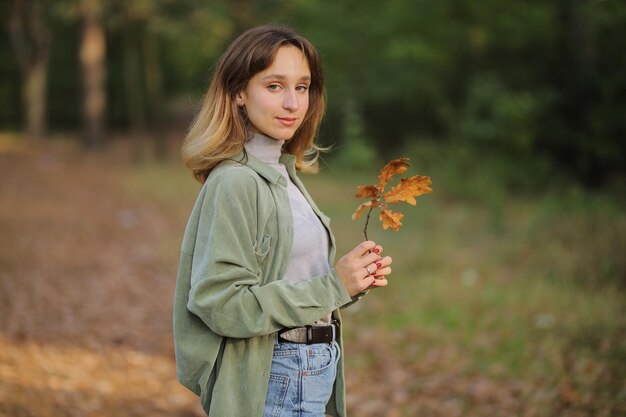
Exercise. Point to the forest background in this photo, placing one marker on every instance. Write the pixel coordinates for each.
(509, 279)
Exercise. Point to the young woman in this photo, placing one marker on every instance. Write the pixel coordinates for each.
(256, 319)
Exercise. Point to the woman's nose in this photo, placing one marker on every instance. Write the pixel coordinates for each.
(290, 100)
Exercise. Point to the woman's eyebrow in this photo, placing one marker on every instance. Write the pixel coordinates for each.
(282, 77)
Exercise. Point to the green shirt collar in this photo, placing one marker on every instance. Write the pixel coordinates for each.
(266, 171)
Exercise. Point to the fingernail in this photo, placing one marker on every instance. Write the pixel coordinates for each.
(376, 250)
(378, 264)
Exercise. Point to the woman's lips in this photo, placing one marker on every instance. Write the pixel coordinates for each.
(287, 121)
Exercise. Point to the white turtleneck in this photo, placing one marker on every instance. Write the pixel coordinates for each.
(310, 248)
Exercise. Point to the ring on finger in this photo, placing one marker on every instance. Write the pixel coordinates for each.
(367, 268)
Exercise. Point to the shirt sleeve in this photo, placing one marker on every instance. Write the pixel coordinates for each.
(226, 291)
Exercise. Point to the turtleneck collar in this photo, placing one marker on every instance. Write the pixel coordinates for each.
(265, 148)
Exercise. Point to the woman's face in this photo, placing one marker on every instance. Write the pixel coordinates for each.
(277, 98)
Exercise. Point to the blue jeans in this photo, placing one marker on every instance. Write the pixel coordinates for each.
(301, 379)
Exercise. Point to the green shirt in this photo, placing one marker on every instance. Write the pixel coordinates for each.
(230, 299)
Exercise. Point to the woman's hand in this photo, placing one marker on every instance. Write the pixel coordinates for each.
(363, 268)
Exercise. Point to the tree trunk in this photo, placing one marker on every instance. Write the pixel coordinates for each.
(92, 59)
(578, 88)
(154, 89)
(134, 88)
(34, 93)
(31, 45)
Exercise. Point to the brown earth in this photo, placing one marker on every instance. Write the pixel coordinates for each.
(85, 290)
(87, 275)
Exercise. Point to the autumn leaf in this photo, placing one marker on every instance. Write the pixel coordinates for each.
(397, 166)
(406, 190)
(390, 219)
(366, 191)
(363, 207)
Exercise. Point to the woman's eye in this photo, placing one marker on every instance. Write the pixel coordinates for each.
(273, 87)
(302, 88)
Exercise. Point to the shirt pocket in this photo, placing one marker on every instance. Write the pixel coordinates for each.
(262, 246)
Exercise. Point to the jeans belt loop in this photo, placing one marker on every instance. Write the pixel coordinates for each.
(309, 334)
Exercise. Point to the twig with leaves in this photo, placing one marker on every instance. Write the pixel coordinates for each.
(406, 190)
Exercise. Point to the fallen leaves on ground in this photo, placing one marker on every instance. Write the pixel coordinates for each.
(86, 281)
(87, 274)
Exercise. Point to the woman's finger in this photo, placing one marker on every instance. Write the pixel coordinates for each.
(370, 258)
(376, 264)
(380, 282)
(362, 248)
(370, 269)
(367, 282)
(382, 272)
(386, 261)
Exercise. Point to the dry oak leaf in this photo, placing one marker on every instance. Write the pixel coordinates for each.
(397, 166)
(363, 207)
(390, 219)
(367, 191)
(407, 189)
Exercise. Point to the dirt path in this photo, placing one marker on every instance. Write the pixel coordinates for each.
(87, 274)
(85, 291)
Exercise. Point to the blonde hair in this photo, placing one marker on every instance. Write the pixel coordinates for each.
(220, 128)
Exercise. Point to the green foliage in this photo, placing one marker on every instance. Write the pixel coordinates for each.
(496, 117)
(354, 152)
(535, 80)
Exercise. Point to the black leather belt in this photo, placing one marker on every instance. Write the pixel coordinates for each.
(311, 334)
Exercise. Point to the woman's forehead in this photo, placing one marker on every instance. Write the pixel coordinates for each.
(289, 63)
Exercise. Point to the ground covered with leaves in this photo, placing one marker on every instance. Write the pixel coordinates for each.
(88, 256)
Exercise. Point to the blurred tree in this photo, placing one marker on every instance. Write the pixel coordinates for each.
(127, 22)
(578, 86)
(243, 13)
(30, 39)
(527, 80)
(160, 49)
(524, 81)
(92, 59)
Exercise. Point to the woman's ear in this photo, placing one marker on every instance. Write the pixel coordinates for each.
(239, 99)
